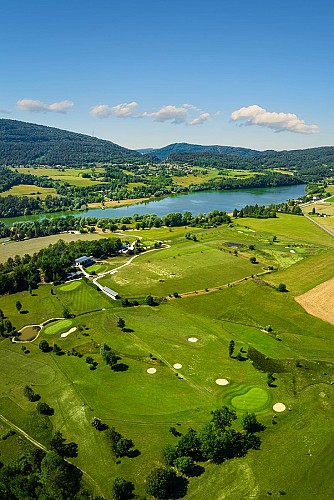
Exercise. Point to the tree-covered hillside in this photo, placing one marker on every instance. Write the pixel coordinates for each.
(183, 147)
(27, 143)
(309, 164)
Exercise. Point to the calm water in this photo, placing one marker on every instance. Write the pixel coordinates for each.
(196, 203)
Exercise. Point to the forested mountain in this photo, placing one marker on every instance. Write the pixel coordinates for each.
(27, 143)
(309, 164)
(183, 147)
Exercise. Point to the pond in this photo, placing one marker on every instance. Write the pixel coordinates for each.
(28, 333)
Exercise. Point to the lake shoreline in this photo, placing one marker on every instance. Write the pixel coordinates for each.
(197, 202)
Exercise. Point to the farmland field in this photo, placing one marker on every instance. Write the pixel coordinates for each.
(28, 190)
(294, 456)
(71, 175)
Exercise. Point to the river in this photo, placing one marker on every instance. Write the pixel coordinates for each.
(196, 203)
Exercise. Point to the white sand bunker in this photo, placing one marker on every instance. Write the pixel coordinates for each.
(71, 330)
(222, 381)
(151, 370)
(279, 407)
(192, 339)
(177, 366)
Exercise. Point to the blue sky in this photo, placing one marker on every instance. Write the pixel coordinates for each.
(146, 73)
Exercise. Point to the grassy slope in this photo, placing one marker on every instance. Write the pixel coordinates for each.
(132, 400)
(28, 190)
(71, 175)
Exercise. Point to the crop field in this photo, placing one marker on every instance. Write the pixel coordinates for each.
(193, 332)
(319, 301)
(31, 191)
(71, 175)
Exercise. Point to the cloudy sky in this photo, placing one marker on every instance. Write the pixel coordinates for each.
(146, 73)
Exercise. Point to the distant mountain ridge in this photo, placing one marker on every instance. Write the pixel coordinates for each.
(28, 143)
(184, 147)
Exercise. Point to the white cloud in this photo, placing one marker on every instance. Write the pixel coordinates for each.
(182, 114)
(255, 115)
(170, 113)
(124, 110)
(202, 118)
(35, 106)
(4, 112)
(187, 114)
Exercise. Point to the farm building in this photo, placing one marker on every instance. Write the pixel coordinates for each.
(84, 261)
(111, 293)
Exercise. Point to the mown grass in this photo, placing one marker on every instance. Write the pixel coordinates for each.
(192, 266)
(57, 327)
(288, 227)
(294, 455)
(30, 191)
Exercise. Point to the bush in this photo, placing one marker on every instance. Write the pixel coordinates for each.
(282, 287)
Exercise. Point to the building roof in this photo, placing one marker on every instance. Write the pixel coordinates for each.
(82, 259)
(110, 292)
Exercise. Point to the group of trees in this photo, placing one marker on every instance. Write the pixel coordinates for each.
(44, 474)
(256, 211)
(6, 327)
(216, 440)
(308, 164)
(53, 263)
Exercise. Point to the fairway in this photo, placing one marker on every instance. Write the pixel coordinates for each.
(57, 327)
(254, 399)
(70, 286)
(174, 366)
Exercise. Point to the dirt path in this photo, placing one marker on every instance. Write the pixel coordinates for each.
(216, 288)
(23, 433)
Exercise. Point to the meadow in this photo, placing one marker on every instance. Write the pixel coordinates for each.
(28, 190)
(294, 458)
(71, 175)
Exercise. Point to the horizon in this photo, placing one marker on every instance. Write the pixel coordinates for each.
(169, 144)
(148, 75)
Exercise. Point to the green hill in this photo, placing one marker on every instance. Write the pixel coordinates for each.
(183, 147)
(27, 143)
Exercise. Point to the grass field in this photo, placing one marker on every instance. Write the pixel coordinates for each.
(31, 191)
(295, 454)
(71, 175)
(35, 244)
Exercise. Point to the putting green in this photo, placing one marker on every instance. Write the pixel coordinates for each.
(58, 327)
(253, 399)
(70, 286)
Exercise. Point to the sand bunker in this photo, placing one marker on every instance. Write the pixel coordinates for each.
(192, 339)
(151, 370)
(71, 330)
(279, 407)
(177, 366)
(222, 381)
(319, 301)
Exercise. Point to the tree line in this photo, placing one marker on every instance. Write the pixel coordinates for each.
(52, 263)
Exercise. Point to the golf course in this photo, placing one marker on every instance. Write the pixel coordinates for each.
(176, 362)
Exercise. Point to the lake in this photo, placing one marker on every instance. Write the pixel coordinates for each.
(196, 203)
